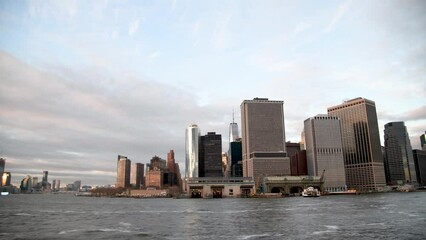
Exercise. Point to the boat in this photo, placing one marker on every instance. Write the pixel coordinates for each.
(311, 192)
(5, 193)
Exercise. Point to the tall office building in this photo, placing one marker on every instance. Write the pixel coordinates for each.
(420, 164)
(210, 155)
(171, 169)
(423, 141)
(123, 172)
(399, 162)
(191, 151)
(2, 164)
(263, 139)
(44, 181)
(324, 151)
(361, 144)
(235, 158)
(233, 130)
(137, 175)
(5, 179)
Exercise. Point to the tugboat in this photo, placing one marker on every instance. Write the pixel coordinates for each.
(311, 192)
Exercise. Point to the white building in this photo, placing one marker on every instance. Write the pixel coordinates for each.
(192, 137)
(324, 153)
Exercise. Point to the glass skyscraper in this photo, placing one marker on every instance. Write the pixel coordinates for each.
(399, 162)
(192, 137)
(361, 144)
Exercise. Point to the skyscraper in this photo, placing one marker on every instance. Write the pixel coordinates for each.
(137, 175)
(324, 151)
(210, 155)
(423, 141)
(361, 144)
(191, 151)
(123, 172)
(420, 164)
(233, 130)
(2, 165)
(44, 182)
(263, 138)
(399, 162)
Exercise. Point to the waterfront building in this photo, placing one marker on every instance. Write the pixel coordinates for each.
(399, 162)
(137, 175)
(361, 144)
(58, 184)
(263, 139)
(35, 182)
(212, 187)
(123, 172)
(2, 165)
(235, 155)
(5, 179)
(420, 165)
(225, 164)
(210, 155)
(54, 185)
(423, 141)
(192, 136)
(324, 153)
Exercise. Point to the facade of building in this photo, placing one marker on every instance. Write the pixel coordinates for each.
(210, 155)
(191, 151)
(123, 172)
(324, 153)
(172, 175)
(235, 155)
(420, 165)
(233, 131)
(298, 164)
(154, 178)
(137, 176)
(44, 182)
(361, 144)
(263, 139)
(399, 162)
(220, 187)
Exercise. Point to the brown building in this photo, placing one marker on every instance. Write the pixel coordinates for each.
(298, 164)
(154, 178)
(263, 139)
(137, 175)
(123, 172)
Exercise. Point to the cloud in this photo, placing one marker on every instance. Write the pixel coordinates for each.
(133, 27)
(341, 11)
(78, 124)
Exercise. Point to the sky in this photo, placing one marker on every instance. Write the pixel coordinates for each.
(84, 81)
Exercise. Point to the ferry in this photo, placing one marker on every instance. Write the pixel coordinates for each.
(311, 192)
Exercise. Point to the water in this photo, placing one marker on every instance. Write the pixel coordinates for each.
(373, 216)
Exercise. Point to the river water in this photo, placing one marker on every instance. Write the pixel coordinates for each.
(370, 216)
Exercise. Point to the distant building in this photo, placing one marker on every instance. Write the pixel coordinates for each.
(58, 184)
(399, 162)
(26, 184)
(191, 151)
(210, 155)
(420, 165)
(35, 182)
(263, 139)
(225, 164)
(54, 185)
(173, 176)
(2, 165)
(233, 130)
(123, 172)
(44, 182)
(423, 141)
(361, 144)
(77, 185)
(5, 179)
(324, 151)
(137, 176)
(155, 172)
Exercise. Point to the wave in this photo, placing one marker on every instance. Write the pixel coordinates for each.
(330, 229)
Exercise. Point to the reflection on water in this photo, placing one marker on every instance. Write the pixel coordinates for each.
(383, 216)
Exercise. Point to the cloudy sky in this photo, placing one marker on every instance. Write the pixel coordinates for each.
(83, 81)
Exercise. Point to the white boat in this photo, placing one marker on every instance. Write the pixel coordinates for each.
(311, 192)
(4, 193)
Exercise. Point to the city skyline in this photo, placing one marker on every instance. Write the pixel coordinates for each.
(82, 82)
